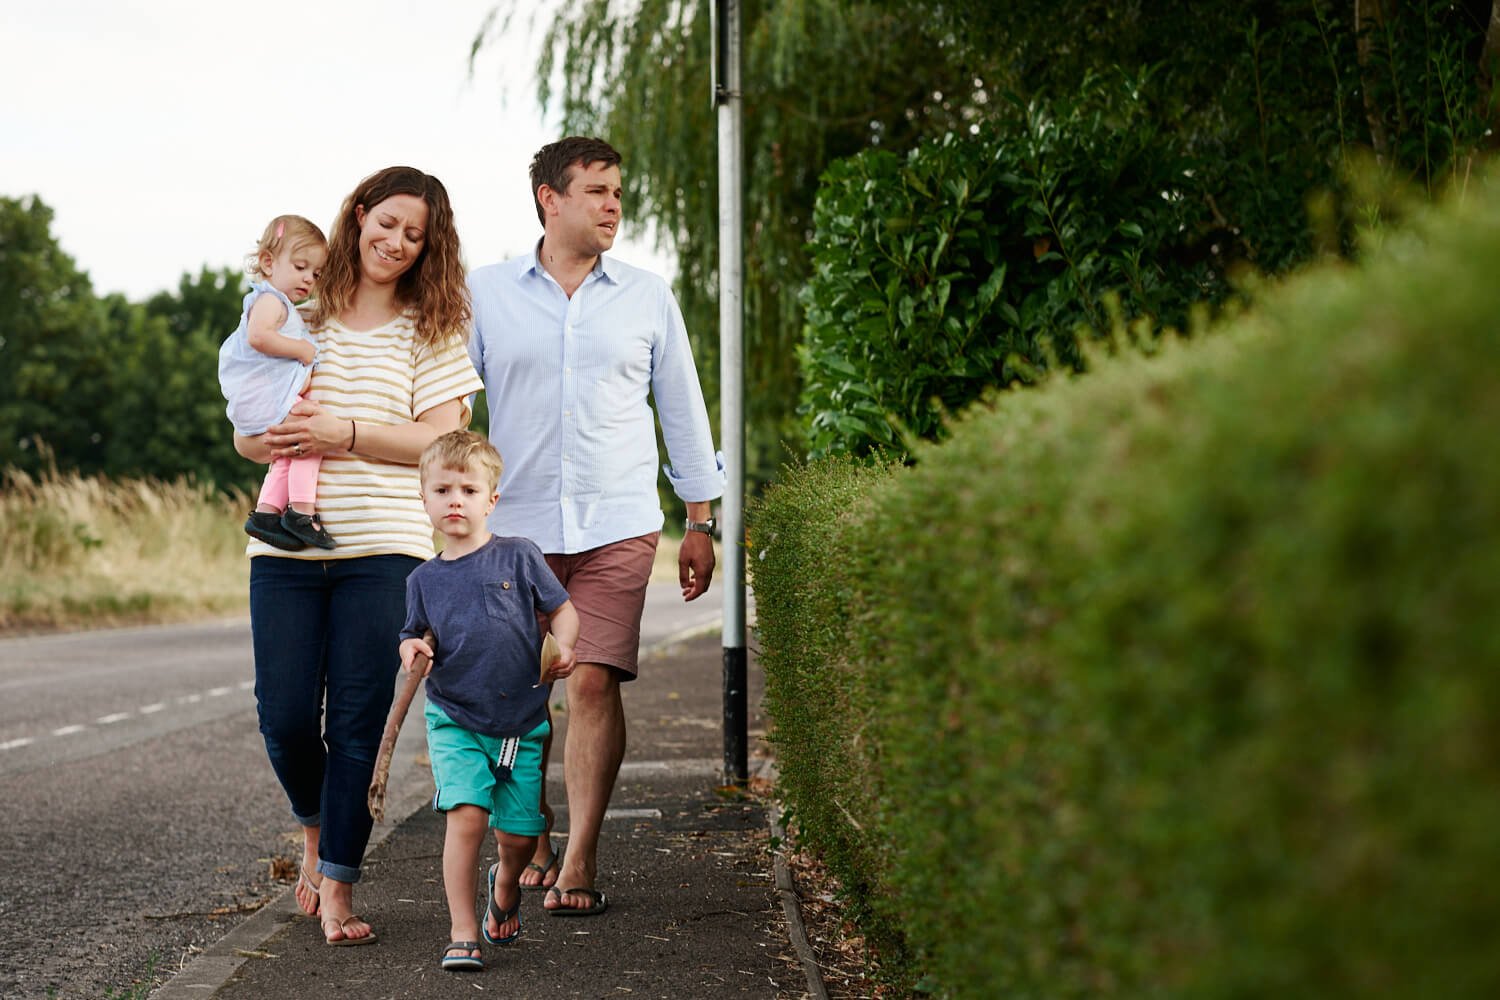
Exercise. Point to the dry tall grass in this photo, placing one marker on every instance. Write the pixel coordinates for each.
(80, 551)
(87, 551)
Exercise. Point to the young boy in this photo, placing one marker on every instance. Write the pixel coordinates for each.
(486, 708)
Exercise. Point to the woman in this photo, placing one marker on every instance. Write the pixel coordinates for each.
(391, 317)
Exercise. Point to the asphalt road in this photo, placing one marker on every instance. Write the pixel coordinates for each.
(141, 819)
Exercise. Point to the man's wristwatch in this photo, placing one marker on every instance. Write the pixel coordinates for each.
(707, 527)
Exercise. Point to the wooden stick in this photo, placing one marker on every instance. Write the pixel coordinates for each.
(399, 707)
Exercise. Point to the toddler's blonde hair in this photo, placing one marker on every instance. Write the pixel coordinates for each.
(283, 231)
(462, 451)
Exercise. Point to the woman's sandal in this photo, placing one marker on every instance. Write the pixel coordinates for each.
(465, 962)
(346, 941)
(305, 880)
(502, 917)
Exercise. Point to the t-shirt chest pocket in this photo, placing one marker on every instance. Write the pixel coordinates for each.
(502, 600)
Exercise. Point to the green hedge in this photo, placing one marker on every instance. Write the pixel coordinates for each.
(1178, 678)
(971, 263)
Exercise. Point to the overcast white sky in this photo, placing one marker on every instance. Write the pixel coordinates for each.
(143, 124)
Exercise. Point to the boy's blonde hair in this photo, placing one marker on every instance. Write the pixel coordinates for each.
(283, 231)
(462, 451)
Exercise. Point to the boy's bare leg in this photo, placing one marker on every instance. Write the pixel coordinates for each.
(515, 851)
(595, 747)
(466, 828)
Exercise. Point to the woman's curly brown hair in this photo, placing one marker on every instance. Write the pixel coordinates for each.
(434, 287)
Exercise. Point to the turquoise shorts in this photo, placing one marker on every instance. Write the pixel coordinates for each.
(462, 769)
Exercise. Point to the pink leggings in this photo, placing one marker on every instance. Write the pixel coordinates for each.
(291, 480)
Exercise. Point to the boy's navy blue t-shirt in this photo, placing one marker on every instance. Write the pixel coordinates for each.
(482, 609)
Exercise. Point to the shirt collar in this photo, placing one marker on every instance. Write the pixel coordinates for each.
(605, 267)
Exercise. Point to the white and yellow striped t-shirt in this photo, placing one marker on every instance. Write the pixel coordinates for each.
(380, 376)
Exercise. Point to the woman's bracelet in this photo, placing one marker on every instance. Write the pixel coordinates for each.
(353, 435)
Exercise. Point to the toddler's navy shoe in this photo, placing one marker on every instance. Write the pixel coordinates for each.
(306, 528)
(266, 525)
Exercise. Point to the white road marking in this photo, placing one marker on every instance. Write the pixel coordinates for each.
(633, 814)
(114, 717)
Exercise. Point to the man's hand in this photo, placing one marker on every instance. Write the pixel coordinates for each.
(695, 564)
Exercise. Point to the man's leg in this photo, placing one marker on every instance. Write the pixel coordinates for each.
(591, 761)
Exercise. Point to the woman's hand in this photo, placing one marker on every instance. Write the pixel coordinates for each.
(307, 430)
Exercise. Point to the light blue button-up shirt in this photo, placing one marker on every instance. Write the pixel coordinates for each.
(567, 382)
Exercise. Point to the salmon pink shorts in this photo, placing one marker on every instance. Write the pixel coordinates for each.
(607, 586)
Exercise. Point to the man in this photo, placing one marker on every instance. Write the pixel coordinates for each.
(569, 343)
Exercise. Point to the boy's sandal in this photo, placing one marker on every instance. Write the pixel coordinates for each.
(501, 916)
(465, 962)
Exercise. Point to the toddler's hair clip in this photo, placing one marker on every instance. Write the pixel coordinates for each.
(280, 228)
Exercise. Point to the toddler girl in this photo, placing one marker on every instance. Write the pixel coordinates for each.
(266, 365)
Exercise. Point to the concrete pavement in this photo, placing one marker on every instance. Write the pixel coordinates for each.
(694, 906)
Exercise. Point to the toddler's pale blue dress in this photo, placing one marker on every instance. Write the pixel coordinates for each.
(261, 388)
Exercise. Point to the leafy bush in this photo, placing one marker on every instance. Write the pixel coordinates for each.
(971, 263)
(1176, 679)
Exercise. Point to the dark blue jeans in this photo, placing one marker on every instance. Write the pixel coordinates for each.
(327, 631)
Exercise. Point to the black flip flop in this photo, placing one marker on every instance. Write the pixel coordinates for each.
(553, 862)
(600, 903)
(501, 916)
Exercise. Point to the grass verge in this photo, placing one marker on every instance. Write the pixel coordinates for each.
(88, 552)
(84, 551)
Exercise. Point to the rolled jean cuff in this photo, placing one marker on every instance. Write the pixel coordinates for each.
(339, 873)
(316, 819)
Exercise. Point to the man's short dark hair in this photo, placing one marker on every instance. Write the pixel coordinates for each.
(553, 164)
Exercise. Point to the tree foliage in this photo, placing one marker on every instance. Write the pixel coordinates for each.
(823, 79)
(106, 385)
(1272, 96)
(1270, 99)
(53, 345)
